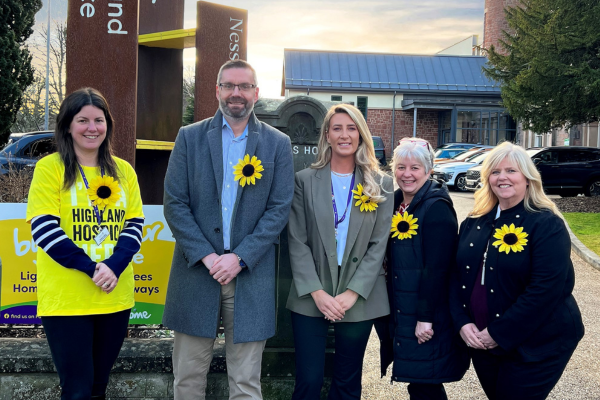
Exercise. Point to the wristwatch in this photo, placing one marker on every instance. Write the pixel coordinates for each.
(242, 263)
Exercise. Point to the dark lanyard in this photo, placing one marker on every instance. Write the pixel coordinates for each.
(335, 213)
(87, 186)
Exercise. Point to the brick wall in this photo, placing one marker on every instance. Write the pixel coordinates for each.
(495, 21)
(380, 124)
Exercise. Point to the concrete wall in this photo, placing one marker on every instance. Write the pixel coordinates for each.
(143, 370)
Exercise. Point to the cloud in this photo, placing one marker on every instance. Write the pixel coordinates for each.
(382, 26)
(395, 26)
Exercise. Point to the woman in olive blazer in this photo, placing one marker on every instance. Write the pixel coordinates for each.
(338, 229)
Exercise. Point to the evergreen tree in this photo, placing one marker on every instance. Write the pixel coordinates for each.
(549, 65)
(188, 114)
(16, 73)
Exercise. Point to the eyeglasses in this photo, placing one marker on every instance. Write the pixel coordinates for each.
(243, 87)
(423, 143)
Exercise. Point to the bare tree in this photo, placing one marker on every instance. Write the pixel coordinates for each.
(31, 114)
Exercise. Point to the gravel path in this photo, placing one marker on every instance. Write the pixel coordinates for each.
(581, 379)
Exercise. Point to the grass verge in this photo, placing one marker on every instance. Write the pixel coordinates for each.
(586, 226)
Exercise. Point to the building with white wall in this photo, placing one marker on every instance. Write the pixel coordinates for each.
(441, 98)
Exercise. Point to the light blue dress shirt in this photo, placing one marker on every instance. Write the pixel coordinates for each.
(234, 149)
(341, 188)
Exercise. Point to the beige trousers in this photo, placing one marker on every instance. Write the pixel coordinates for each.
(192, 356)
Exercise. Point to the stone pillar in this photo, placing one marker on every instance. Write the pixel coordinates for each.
(300, 118)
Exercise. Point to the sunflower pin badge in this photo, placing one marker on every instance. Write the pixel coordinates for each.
(365, 202)
(404, 226)
(248, 170)
(104, 191)
(510, 238)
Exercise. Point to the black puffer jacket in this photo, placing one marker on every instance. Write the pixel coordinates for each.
(418, 278)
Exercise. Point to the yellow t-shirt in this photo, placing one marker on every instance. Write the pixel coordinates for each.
(64, 291)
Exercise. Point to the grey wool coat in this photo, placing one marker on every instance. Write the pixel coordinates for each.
(192, 207)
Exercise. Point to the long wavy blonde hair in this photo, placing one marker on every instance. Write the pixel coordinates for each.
(535, 198)
(365, 154)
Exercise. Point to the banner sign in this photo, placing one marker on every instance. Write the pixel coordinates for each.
(18, 284)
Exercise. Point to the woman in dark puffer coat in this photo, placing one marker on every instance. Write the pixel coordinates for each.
(422, 343)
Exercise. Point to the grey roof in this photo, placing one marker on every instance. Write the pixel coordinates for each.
(345, 71)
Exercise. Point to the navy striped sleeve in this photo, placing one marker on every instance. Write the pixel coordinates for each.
(49, 236)
(129, 243)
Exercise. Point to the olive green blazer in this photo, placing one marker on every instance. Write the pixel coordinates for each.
(313, 253)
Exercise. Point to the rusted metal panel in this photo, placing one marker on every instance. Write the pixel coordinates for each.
(160, 15)
(102, 53)
(222, 34)
(160, 93)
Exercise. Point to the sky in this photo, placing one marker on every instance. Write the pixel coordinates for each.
(382, 26)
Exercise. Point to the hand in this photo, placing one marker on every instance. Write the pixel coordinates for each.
(469, 333)
(424, 331)
(209, 260)
(486, 339)
(225, 268)
(347, 299)
(331, 309)
(105, 278)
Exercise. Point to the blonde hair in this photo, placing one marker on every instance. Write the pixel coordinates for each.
(410, 148)
(365, 154)
(535, 198)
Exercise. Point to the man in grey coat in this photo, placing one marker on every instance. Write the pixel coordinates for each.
(228, 192)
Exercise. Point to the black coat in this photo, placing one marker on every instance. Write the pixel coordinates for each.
(418, 275)
(531, 311)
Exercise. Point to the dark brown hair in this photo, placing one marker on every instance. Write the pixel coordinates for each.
(70, 106)
(236, 64)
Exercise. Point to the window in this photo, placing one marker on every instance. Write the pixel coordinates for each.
(484, 127)
(336, 98)
(548, 157)
(39, 148)
(362, 104)
(570, 156)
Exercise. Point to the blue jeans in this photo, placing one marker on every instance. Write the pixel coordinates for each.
(84, 349)
(310, 339)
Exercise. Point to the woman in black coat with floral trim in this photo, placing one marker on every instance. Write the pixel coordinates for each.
(425, 347)
(511, 296)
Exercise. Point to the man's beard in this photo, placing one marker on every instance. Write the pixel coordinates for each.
(237, 115)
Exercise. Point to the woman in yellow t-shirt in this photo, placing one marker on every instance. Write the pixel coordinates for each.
(86, 218)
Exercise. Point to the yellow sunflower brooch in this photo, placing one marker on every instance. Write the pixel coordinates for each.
(248, 170)
(104, 191)
(510, 238)
(365, 202)
(404, 226)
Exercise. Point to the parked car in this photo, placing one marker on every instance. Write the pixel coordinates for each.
(448, 153)
(379, 150)
(473, 178)
(23, 150)
(454, 174)
(464, 156)
(464, 146)
(568, 171)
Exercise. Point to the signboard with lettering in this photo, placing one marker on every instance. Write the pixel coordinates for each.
(18, 288)
(102, 53)
(221, 35)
